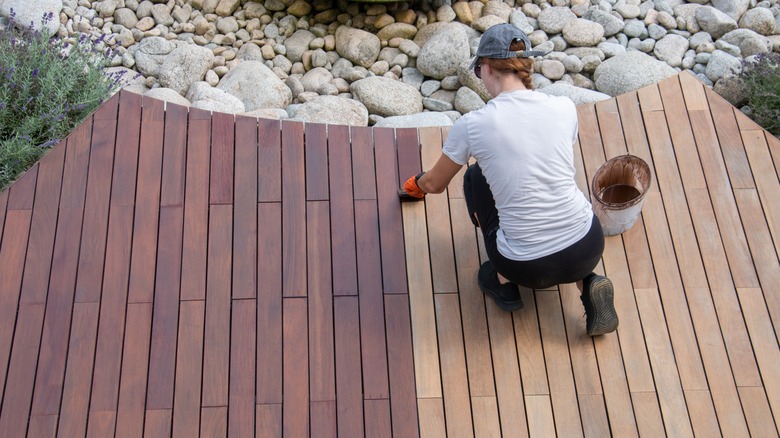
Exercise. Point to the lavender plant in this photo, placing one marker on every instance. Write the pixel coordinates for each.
(47, 87)
(761, 76)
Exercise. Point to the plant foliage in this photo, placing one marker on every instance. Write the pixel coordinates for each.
(761, 77)
(47, 87)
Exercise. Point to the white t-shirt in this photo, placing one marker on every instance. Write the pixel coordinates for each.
(523, 141)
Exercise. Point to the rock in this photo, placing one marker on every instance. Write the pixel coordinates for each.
(671, 49)
(629, 72)
(419, 120)
(297, 44)
(582, 33)
(714, 22)
(750, 43)
(184, 66)
(497, 8)
(106, 8)
(33, 12)
(256, 86)
(687, 12)
(732, 8)
(467, 100)
(722, 64)
(611, 24)
(300, 8)
(227, 25)
(333, 110)
(125, 17)
(436, 105)
(151, 53)
(145, 24)
(553, 20)
(207, 98)
(576, 94)
(759, 20)
(731, 88)
(314, 78)
(443, 52)
(168, 95)
(162, 15)
(397, 30)
(267, 113)
(358, 46)
(225, 8)
(387, 97)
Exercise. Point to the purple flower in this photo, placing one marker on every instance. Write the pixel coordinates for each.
(2, 106)
(35, 73)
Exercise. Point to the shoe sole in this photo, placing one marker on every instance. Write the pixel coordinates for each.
(603, 299)
(509, 306)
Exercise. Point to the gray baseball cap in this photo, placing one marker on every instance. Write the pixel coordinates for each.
(496, 40)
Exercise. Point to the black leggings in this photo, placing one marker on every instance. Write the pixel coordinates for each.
(568, 265)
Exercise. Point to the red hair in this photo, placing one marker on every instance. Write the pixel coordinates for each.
(523, 68)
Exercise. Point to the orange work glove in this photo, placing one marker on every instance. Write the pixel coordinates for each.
(411, 187)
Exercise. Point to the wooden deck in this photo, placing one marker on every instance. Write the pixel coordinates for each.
(175, 272)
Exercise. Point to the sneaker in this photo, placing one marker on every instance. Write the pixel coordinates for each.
(598, 299)
(506, 295)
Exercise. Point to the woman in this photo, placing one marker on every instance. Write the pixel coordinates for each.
(539, 229)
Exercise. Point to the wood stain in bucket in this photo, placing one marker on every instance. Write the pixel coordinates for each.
(619, 194)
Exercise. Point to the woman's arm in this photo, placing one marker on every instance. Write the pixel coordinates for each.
(438, 178)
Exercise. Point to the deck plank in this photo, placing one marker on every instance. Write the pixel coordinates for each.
(241, 402)
(295, 420)
(165, 319)
(322, 376)
(135, 362)
(373, 335)
(400, 363)
(390, 222)
(438, 215)
(269, 305)
(342, 211)
(349, 389)
(216, 338)
(174, 159)
(316, 153)
(221, 173)
(189, 368)
(293, 210)
(454, 377)
(472, 304)
(363, 175)
(37, 267)
(269, 161)
(147, 203)
(245, 210)
(509, 392)
(767, 183)
(196, 207)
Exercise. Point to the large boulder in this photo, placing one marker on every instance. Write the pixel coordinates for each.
(39, 13)
(714, 22)
(419, 120)
(732, 8)
(750, 43)
(629, 72)
(671, 49)
(444, 51)
(582, 33)
(150, 54)
(204, 97)
(167, 95)
(298, 43)
(333, 110)
(722, 64)
(184, 66)
(576, 94)
(387, 97)
(553, 20)
(256, 86)
(358, 46)
(759, 20)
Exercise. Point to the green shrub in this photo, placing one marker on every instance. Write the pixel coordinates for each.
(761, 77)
(47, 87)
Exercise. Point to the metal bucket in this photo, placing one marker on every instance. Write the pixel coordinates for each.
(619, 188)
